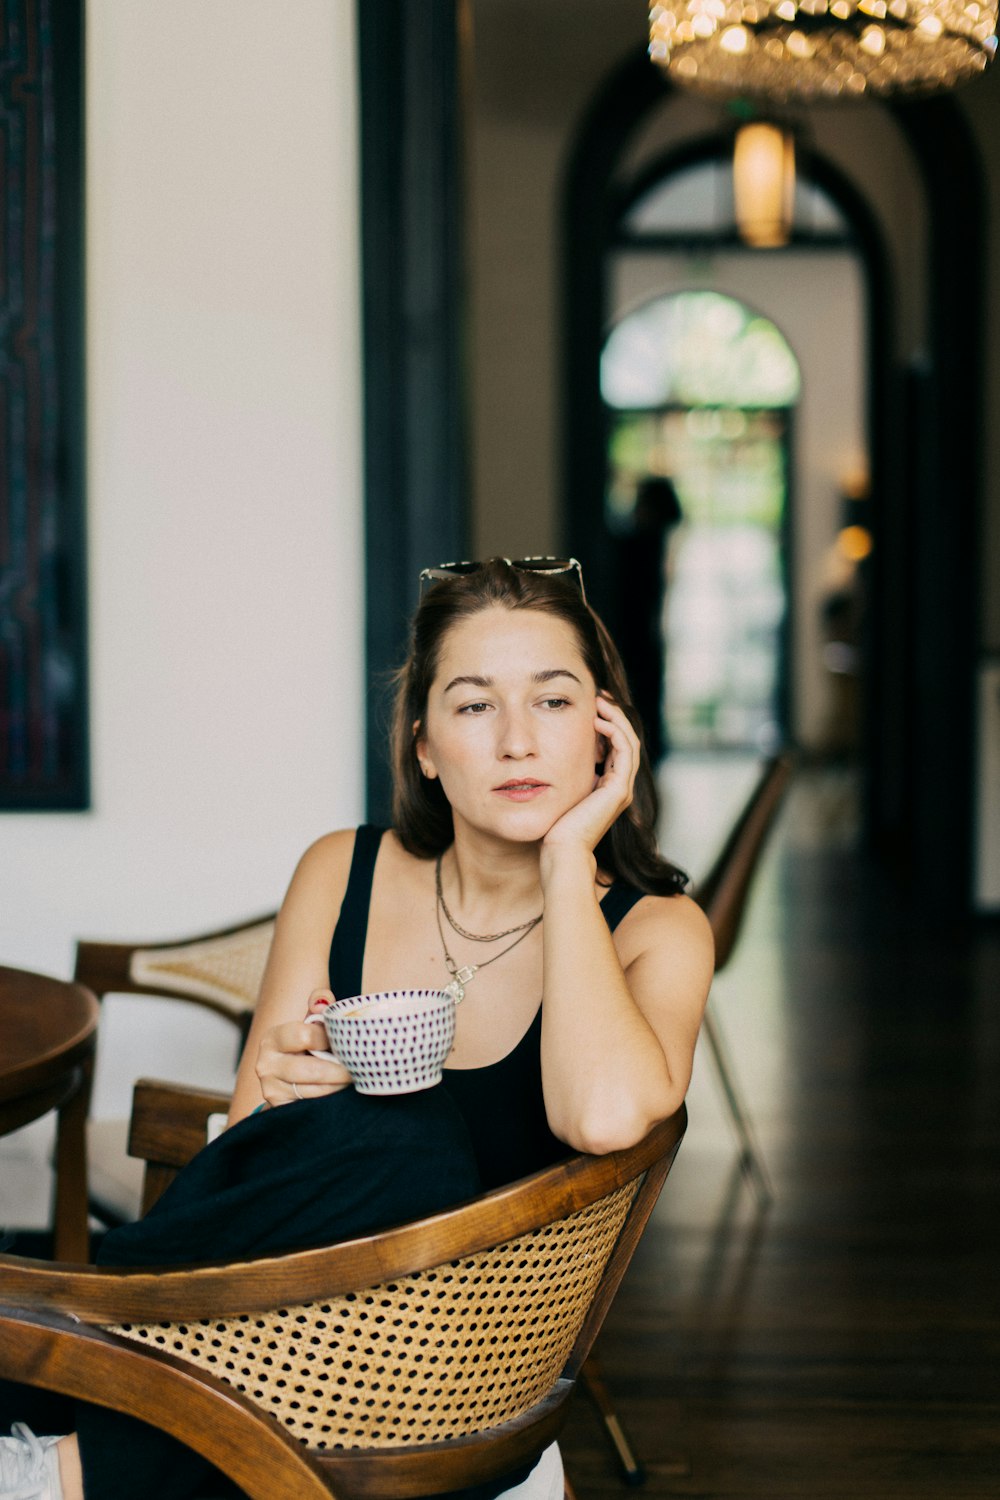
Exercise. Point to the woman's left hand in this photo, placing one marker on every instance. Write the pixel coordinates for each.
(588, 821)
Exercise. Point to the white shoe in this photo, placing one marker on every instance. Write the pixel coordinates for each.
(29, 1466)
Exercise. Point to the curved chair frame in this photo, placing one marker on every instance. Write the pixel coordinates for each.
(723, 895)
(723, 892)
(92, 1333)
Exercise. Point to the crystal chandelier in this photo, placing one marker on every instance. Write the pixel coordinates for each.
(821, 49)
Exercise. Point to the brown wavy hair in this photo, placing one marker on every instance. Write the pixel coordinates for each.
(421, 812)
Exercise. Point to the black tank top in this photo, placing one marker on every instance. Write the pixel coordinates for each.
(502, 1103)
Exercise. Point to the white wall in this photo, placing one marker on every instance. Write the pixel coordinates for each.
(224, 507)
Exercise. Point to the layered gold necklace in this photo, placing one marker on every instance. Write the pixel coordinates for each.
(461, 976)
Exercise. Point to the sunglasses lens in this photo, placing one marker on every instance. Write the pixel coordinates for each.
(544, 564)
(547, 565)
(449, 570)
(555, 566)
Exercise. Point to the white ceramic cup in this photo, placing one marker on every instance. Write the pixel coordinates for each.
(394, 1042)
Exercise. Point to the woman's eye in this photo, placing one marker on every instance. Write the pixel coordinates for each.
(556, 702)
(473, 708)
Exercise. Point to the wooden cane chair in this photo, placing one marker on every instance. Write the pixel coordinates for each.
(723, 895)
(417, 1360)
(219, 971)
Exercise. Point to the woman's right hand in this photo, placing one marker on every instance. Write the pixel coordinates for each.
(285, 1067)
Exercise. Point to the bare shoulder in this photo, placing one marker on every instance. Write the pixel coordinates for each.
(321, 873)
(674, 926)
(329, 855)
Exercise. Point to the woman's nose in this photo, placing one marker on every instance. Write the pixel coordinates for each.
(516, 738)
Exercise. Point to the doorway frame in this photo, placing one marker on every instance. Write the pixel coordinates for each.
(923, 648)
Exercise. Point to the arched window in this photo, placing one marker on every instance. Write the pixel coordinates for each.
(697, 349)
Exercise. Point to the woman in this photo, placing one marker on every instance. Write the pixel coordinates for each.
(522, 870)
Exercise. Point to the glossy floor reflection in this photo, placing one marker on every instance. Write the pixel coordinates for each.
(844, 1343)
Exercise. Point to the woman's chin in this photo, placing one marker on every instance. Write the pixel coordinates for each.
(516, 823)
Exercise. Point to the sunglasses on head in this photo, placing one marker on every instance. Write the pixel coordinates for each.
(551, 567)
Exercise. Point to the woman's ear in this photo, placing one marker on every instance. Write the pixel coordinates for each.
(420, 751)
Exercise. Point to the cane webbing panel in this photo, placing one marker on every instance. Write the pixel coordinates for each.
(436, 1355)
(228, 968)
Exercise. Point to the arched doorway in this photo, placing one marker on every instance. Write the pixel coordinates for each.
(924, 421)
(673, 247)
(699, 390)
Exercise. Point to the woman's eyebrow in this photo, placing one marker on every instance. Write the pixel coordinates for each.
(470, 681)
(546, 675)
(551, 672)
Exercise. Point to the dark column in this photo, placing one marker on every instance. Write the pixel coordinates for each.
(944, 506)
(590, 216)
(413, 297)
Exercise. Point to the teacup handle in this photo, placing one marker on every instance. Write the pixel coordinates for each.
(323, 1053)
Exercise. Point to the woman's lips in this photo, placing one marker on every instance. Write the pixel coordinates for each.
(522, 791)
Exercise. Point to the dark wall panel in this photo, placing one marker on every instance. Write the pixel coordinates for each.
(43, 688)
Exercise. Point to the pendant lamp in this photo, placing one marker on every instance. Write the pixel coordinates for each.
(764, 183)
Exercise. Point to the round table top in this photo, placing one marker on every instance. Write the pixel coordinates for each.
(46, 1026)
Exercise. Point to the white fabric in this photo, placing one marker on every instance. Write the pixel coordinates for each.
(545, 1482)
(29, 1466)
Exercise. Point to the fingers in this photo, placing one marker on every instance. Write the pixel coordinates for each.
(621, 763)
(319, 1000)
(286, 1068)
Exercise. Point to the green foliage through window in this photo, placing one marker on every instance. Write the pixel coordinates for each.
(697, 349)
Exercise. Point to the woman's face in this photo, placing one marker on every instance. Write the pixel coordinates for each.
(509, 728)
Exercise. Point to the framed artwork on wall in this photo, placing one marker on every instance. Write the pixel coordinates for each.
(43, 655)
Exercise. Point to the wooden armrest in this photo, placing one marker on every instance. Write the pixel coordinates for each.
(169, 1120)
(168, 1126)
(40, 1347)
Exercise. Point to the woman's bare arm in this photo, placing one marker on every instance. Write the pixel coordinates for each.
(276, 1054)
(620, 1016)
(618, 1040)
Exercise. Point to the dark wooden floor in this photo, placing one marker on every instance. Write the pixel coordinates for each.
(844, 1344)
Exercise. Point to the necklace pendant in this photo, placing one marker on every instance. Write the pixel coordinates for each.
(459, 979)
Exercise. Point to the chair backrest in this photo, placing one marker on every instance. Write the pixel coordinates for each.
(221, 970)
(427, 1356)
(722, 894)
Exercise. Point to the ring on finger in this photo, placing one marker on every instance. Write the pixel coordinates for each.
(295, 1091)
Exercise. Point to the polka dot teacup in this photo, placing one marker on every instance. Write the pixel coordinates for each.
(394, 1042)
